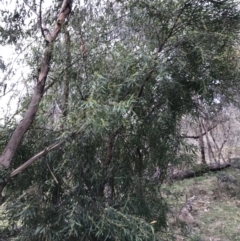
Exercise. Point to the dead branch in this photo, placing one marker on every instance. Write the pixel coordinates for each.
(197, 137)
(185, 215)
(199, 171)
(31, 160)
(55, 179)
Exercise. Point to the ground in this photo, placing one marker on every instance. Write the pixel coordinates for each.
(215, 214)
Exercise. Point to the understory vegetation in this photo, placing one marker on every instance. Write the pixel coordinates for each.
(103, 102)
(215, 213)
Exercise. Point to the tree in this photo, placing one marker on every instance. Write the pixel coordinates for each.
(111, 91)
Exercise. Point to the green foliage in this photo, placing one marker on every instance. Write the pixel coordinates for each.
(145, 62)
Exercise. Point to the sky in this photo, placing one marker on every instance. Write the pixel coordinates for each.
(16, 86)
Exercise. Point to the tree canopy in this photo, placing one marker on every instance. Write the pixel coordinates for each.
(112, 82)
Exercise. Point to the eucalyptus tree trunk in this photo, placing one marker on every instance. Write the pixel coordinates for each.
(22, 128)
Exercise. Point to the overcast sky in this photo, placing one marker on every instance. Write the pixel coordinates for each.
(16, 85)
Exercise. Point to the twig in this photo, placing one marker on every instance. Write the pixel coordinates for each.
(47, 35)
(31, 8)
(197, 137)
(55, 179)
(187, 205)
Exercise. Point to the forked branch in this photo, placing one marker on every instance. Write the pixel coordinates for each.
(22, 128)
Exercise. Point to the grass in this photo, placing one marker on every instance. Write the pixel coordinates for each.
(216, 210)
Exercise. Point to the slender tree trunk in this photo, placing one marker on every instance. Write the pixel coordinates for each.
(210, 151)
(67, 73)
(106, 189)
(201, 142)
(22, 128)
(219, 150)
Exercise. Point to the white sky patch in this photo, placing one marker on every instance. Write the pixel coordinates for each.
(14, 78)
(12, 87)
(13, 84)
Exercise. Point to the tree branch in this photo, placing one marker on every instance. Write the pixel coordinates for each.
(204, 133)
(110, 145)
(31, 8)
(22, 128)
(31, 160)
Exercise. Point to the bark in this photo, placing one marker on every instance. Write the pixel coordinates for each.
(106, 190)
(219, 150)
(199, 122)
(31, 160)
(4, 181)
(202, 169)
(201, 143)
(110, 146)
(198, 136)
(210, 151)
(22, 128)
(66, 76)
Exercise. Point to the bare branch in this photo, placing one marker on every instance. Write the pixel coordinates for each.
(31, 160)
(66, 5)
(41, 24)
(31, 8)
(203, 134)
(55, 179)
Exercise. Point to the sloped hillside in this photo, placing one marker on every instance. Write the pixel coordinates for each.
(214, 214)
